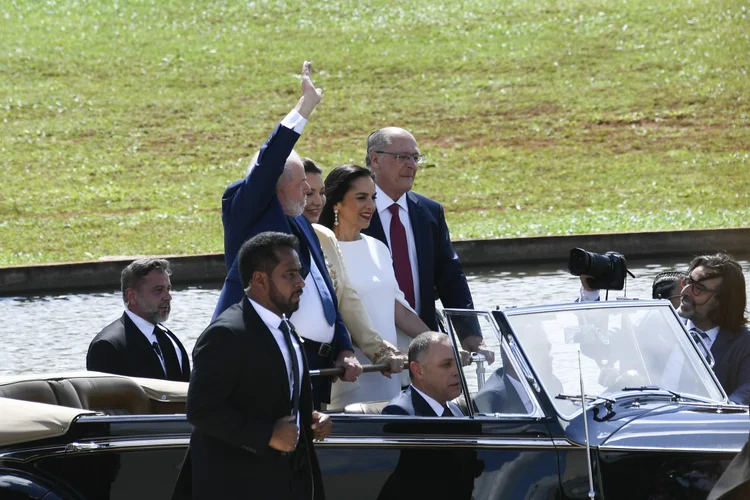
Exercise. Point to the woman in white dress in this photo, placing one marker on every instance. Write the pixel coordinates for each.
(350, 205)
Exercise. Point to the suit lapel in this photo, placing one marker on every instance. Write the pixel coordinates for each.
(313, 246)
(267, 344)
(421, 407)
(145, 354)
(185, 367)
(422, 238)
(304, 251)
(376, 229)
(721, 345)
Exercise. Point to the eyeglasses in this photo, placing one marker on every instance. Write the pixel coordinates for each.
(697, 288)
(404, 157)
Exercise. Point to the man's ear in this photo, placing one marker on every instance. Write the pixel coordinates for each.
(374, 159)
(259, 280)
(130, 294)
(416, 370)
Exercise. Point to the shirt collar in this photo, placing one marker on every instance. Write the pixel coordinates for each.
(712, 333)
(145, 326)
(383, 201)
(436, 407)
(269, 317)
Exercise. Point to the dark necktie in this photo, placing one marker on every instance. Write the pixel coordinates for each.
(400, 254)
(286, 328)
(329, 310)
(446, 412)
(702, 334)
(174, 372)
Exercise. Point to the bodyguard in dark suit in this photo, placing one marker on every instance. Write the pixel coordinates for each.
(272, 198)
(250, 399)
(413, 227)
(435, 382)
(714, 301)
(137, 344)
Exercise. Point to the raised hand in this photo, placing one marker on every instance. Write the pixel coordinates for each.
(310, 95)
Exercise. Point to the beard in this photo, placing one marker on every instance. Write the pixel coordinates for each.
(287, 305)
(155, 314)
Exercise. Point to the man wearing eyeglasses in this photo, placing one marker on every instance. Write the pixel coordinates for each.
(713, 302)
(413, 227)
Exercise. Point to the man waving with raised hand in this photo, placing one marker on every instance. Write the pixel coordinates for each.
(272, 198)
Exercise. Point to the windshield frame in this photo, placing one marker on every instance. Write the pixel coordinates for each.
(663, 307)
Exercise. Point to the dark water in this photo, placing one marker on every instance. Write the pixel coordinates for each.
(52, 333)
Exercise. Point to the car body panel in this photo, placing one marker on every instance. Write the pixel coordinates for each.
(643, 443)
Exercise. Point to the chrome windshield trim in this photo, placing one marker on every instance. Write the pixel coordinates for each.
(429, 442)
(515, 362)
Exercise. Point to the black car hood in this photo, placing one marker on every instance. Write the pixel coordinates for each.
(682, 426)
(658, 423)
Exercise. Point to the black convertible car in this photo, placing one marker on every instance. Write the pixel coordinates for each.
(624, 378)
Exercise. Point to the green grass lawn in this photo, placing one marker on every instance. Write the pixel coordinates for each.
(123, 122)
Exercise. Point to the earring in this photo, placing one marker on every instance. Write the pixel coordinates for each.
(335, 216)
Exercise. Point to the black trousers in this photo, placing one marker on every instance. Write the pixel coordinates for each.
(321, 386)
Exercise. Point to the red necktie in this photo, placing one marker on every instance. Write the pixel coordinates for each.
(400, 254)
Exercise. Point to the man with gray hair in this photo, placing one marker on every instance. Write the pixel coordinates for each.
(137, 344)
(272, 198)
(413, 227)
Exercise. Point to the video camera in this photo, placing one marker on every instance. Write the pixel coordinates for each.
(607, 272)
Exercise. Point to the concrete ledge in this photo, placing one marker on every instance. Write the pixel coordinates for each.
(632, 245)
(102, 274)
(209, 268)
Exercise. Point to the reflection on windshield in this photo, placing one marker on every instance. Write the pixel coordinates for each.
(621, 347)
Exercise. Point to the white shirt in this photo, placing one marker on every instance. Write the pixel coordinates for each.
(310, 316)
(294, 121)
(588, 295)
(712, 333)
(436, 407)
(147, 329)
(382, 202)
(272, 321)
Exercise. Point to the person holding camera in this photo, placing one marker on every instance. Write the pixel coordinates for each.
(666, 285)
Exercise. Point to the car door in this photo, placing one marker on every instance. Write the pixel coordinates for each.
(495, 451)
(119, 457)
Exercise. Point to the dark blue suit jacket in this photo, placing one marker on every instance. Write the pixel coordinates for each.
(439, 268)
(731, 353)
(409, 402)
(250, 206)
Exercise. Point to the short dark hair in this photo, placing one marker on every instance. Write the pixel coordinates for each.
(664, 283)
(731, 295)
(136, 272)
(311, 167)
(259, 253)
(338, 182)
(421, 344)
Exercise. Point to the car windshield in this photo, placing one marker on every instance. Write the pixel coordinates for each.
(622, 348)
